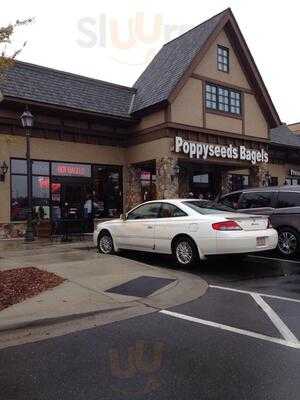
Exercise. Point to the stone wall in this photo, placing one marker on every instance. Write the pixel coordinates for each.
(12, 231)
(226, 183)
(133, 195)
(258, 175)
(166, 178)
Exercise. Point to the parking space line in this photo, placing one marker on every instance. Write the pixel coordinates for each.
(276, 320)
(295, 345)
(250, 292)
(274, 259)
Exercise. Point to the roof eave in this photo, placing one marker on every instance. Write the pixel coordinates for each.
(25, 101)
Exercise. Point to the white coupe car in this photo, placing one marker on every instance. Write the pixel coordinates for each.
(188, 229)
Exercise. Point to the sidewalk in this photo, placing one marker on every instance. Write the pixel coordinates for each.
(95, 283)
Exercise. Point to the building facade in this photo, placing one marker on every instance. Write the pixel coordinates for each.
(198, 121)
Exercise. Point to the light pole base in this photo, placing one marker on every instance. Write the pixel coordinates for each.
(29, 234)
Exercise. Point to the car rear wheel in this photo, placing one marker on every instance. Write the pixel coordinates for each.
(185, 252)
(105, 243)
(288, 242)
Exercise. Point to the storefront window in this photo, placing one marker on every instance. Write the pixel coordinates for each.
(41, 196)
(19, 197)
(148, 185)
(64, 189)
(107, 192)
(40, 168)
(18, 167)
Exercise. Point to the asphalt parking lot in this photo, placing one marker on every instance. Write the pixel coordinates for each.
(241, 340)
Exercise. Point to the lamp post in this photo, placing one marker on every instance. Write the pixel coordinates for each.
(27, 123)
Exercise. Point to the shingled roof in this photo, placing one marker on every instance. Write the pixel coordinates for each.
(156, 87)
(282, 135)
(44, 85)
(163, 73)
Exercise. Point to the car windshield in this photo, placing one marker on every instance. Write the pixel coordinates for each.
(207, 207)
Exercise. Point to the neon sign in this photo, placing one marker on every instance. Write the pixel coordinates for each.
(68, 169)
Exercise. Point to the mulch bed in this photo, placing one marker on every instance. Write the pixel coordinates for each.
(19, 284)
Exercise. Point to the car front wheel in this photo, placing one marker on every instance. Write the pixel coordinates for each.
(105, 243)
(185, 252)
(288, 242)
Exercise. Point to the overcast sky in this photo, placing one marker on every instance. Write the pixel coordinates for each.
(115, 40)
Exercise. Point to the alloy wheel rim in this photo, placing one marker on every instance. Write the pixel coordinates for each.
(287, 243)
(105, 244)
(184, 253)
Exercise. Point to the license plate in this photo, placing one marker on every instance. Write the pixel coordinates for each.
(261, 241)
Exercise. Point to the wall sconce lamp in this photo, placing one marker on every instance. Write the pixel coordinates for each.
(3, 171)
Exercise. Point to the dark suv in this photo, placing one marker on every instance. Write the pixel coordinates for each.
(281, 203)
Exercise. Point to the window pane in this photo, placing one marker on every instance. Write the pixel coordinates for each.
(203, 178)
(145, 211)
(41, 196)
(19, 199)
(231, 200)
(107, 192)
(170, 211)
(18, 166)
(256, 200)
(288, 199)
(40, 189)
(40, 168)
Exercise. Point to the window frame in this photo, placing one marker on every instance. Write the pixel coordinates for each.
(285, 192)
(273, 199)
(222, 63)
(238, 193)
(219, 92)
(52, 179)
(143, 205)
(173, 205)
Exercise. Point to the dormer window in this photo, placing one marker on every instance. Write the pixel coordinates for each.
(223, 59)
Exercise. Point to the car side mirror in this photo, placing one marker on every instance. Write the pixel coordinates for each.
(123, 216)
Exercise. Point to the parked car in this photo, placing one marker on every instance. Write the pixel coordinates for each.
(281, 204)
(189, 229)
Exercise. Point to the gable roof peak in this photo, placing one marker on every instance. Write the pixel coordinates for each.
(225, 12)
(167, 73)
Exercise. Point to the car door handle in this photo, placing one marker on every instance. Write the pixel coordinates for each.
(149, 227)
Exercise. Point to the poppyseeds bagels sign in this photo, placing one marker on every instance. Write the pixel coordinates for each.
(205, 151)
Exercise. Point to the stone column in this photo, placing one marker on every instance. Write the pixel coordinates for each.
(225, 182)
(167, 181)
(258, 175)
(133, 195)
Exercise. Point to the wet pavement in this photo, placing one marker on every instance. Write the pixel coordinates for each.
(238, 341)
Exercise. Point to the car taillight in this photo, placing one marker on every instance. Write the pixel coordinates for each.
(269, 224)
(226, 226)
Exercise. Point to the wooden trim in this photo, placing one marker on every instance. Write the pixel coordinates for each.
(24, 102)
(213, 132)
(168, 113)
(198, 57)
(220, 83)
(204, 103)
(224, 114)
(243, 114)
(168, 129)
(252, 72)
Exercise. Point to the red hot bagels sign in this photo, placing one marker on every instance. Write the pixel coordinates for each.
(205, 151)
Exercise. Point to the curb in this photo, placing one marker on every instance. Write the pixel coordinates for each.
(55, 320)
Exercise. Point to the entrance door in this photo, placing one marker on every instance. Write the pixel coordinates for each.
(73, 199)
(68, 198)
